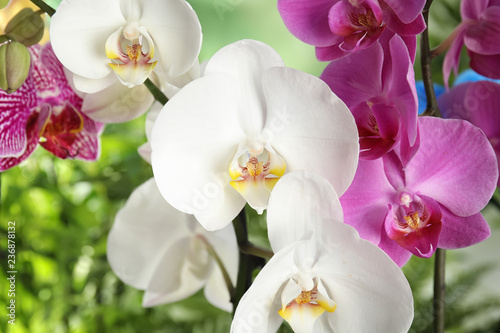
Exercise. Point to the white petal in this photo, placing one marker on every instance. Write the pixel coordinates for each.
(91, 86)
(259, 306)
(78, 33)
(310, 127)
(225, 245)
(144, 230)
(131, 9)
(290, 292)
(246, 61)
(301, 204)
(194, 140)
(171, 85)
(178, 276)
(144, 151)
(370, 290)
(117, 103)
(151, 118)
(176, 31)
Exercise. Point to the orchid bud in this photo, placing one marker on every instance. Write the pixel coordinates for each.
(4, 3)
(14, 65)
(26, 27)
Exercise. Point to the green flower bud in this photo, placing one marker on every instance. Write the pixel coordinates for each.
(14, 66)
(4, 3)
(26, 27)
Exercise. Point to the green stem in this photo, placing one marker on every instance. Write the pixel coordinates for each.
(251, 249)
(43, 6)
(215, 256)
(439, 290)
(247, 262)
(425, 59)
(157, 93)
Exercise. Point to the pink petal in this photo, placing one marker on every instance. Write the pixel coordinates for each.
(459, 232)
(398, 254)
(308, 20)
(330, 53)
(360, 72)
(15, 110)
(472, 9)
(402, 87)
(407, 10)
(486, 65)
(482, 37)
(452, 58)
(365, 202)
(394, 170)
(407, 29)
(455, 165)
(31, 131)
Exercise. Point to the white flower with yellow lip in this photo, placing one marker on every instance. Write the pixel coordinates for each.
(323, 276)
(226, 138)
(106, 40)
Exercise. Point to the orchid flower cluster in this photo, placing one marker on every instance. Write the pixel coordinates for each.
(353, 181)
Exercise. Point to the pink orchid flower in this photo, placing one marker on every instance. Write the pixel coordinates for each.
(434, 201)
(341, 27)
(380, 92)
(476, 102)
(45, 111)
(479, 33)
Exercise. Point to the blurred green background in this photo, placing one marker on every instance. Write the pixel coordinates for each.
(64, 210)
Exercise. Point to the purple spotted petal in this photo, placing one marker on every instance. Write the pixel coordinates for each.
(15, 110)
(87, 144)
(455, 165)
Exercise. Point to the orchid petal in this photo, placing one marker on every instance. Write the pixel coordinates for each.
(313, 130)
(93, 21)
(364, 77)
(407, 10)
(203, 144)
(117, 103)
(247, 61)
(453, 155)
(365, 202)
(259, 306)
(225, 245)
(175, 28)
(413, 28)
(472, 9)
(452, 58)
(481, 37)
(299, 206)
(460, 232)
(397, 253)
(308, 20)
(365, 273)
(91, 86)
(486, 65)
(144, 212)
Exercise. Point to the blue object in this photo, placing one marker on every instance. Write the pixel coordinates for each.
(470, 76)
(422, 98)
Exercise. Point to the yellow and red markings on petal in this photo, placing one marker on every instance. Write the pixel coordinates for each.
(60, 130)
(302, 312)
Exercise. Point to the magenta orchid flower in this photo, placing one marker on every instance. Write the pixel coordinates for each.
(434, 201)
(385, 102)
(476, 102)
(479, 33)
(341, 27)
(45, 111)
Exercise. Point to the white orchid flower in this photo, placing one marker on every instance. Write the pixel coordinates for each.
(227, 138)
(156, 248)
(105, 40)
(331, 280)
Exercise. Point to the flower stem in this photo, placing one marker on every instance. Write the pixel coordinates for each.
(215, 256)
(439, 290)
(43, 6)
(251, 249)
(157, 93)
(425, 60)
(247, 262)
